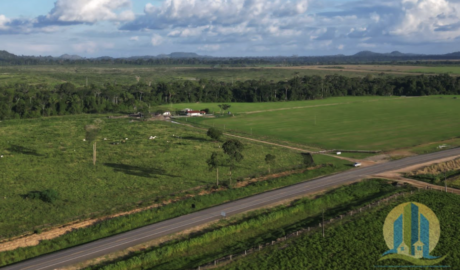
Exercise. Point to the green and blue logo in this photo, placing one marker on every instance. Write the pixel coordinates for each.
(411, 232)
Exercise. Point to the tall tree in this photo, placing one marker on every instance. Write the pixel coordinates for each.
(233, 148)
(214, 162)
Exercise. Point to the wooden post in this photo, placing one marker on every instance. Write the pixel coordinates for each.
(245, 252)
(94, 153)
(231, 257)
(215, 262)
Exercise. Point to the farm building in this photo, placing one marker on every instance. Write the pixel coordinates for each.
(196, 113)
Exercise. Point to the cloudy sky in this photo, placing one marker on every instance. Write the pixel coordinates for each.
(121, 28)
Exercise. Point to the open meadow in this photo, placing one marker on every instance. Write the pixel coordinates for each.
(383, 124)
(125, 74)
(50, 154)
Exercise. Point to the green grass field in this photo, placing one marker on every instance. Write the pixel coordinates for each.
(50, 153)
(249, 108)
(125, 74)
(437, 70)
(384, 124)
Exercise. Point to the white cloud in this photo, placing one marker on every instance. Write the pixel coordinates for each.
(135, 38)
(195, 13)
(428, 20)
(209, 47)
(157, 40)
(90, 47)
(375, 17)
(3, 21)
(340, 47)
(88, 11)
(366, 45)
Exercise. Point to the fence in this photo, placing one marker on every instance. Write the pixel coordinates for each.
(307, 230)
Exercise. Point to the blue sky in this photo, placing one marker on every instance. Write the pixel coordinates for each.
(228, 27)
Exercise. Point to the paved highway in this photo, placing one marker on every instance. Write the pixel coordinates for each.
(138, 236)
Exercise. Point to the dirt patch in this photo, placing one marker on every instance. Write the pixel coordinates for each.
(398, 173)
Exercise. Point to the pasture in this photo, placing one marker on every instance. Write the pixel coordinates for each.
(455, 70)
(249, 108)
(384, 124)
(49, 153)
(125, 74)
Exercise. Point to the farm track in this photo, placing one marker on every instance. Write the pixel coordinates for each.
(135, 237)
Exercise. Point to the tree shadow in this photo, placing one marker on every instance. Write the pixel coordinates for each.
(24, 150)
(138, 171)
(194, 139)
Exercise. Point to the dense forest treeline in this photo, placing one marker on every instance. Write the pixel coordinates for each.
(28, 101)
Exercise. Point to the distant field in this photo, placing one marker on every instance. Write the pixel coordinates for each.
(267, 106)
(385, 124)
(50, 153)
(438, 70)
(127, 74)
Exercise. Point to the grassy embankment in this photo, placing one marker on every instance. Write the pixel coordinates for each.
(386, 124)
(126, 223)
(50, 153)
(359, 244)
(442, 174)
(244, 232)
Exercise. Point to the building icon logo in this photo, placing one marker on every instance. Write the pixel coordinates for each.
(411, 232)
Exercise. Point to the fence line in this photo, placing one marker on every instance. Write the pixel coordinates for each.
(307, 230)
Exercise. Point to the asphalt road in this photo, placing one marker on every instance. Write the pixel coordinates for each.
(138, 236)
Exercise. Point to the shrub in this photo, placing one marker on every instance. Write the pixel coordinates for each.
(49, 195)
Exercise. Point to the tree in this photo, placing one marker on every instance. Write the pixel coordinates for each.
(92, 131)
(145, 111)
(214, 133)
(224, 107)
(308, 160)
(233, 149)
(270, 160)
(215, 162)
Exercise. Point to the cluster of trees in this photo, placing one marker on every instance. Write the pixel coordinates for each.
(26, 101)
(232, 155)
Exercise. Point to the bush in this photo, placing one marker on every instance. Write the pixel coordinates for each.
(49, 195)
(214, 133)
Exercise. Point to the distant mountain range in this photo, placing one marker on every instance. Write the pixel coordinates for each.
(176, 57)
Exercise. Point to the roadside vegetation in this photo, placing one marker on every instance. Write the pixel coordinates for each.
(237, 234)
(358, 244)
(443, 174)
(209, 197)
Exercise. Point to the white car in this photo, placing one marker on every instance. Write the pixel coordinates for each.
(357, 164)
